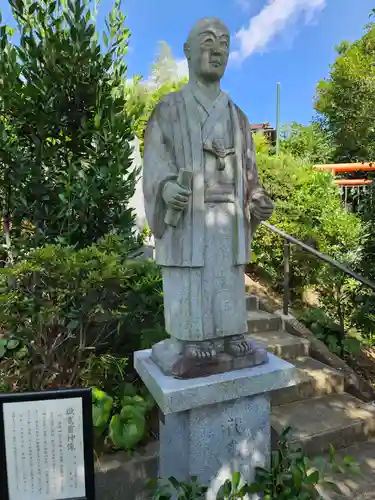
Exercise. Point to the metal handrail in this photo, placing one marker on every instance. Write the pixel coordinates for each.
(288, 239)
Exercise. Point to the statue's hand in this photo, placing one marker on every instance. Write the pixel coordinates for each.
(261, 206)
(176, 196)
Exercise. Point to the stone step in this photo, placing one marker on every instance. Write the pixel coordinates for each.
(339, 420)
(260, 321)
(282, 344)
(252, 302)
(317, 379)
(360, 487)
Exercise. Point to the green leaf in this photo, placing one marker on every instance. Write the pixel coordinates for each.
(52, 8)
(285, 434)
(313, 478)
(297, 476)
(136, 400)
(243, 491)
(261, 473)
(102, 407)
(225, 490)
(99, 395)
(332, 453)
(149, 402)
(99, 417)
(33, 8)
(12, 344)
(174, 483)
(2, 350)
(130, 412)
(127, 434)
(97, 120)
(236, 478)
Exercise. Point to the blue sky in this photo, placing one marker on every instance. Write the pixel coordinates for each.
(286, 41)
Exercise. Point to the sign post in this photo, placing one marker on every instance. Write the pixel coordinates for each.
(46, 445)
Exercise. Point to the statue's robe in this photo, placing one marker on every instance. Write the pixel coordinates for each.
(203, 258)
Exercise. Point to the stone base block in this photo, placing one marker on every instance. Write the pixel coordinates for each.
(213, 426)
(212, 442)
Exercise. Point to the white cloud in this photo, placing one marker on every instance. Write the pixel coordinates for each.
(273, 19)
(244, 4)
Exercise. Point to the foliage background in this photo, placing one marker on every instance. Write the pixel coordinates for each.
(74, 303)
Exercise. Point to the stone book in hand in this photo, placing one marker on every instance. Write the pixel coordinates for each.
(172, 216)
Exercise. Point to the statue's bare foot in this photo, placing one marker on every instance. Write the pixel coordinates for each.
(200, 351)
(237, 346)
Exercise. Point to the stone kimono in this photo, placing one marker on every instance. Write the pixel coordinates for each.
(203, 258)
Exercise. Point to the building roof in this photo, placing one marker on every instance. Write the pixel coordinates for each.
(260, 126)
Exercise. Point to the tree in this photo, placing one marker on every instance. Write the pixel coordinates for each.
(64, 131)
(308, 206)
(166, 69)
(346, 99)
(142, 96)
(310, 143)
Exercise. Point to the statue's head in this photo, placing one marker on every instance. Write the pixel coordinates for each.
(207, 49)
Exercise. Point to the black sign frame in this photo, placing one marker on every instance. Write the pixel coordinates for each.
(87, 429)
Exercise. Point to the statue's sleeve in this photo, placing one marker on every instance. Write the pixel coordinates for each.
(158, 167)
(251, 164)
(252, 178)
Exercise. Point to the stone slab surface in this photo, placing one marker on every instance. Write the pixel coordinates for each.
(354, 383)
(173, 395)
(282, 344)
(252, 302)
(317, 379)
(338, 419)
(260, 321)
(121, 476)
(212, 442)
(359, 487)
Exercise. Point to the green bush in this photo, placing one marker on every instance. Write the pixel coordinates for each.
(120, 421)
(309, 142)
(308, 206)
(72, 307)
(65, 133)
(324, 329)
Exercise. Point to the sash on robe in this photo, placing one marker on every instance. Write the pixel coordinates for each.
(198, 135)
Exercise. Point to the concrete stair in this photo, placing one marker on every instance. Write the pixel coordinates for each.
(337, 419)
(318, 410)
(360, 487)
(282, 344)
(317, 380)
(261, 322)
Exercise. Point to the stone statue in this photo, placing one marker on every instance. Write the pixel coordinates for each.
(203, 203)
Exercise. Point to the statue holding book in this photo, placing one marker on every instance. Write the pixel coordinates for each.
(203, 203)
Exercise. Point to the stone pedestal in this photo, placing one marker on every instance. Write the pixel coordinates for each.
(213, 426)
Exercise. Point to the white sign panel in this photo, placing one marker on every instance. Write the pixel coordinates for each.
(44, 449)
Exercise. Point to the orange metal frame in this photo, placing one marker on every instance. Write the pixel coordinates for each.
(335, 168)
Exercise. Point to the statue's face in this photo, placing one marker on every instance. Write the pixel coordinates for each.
(208, 52)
